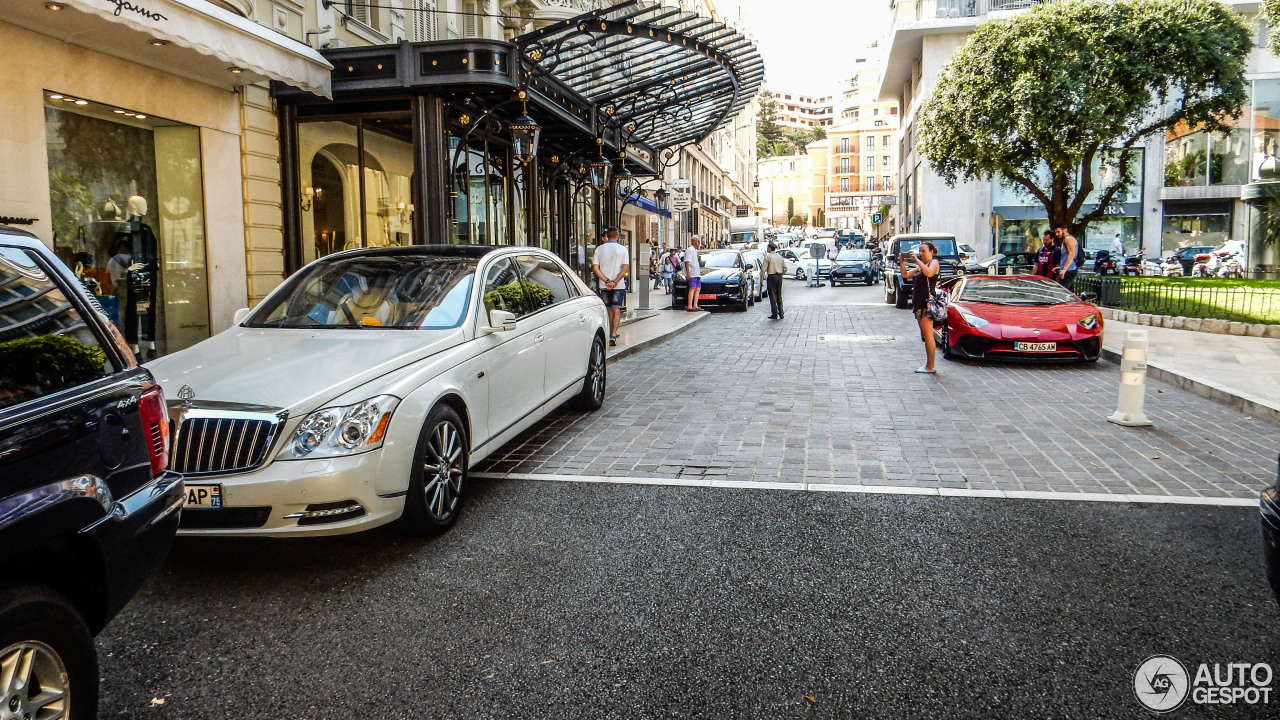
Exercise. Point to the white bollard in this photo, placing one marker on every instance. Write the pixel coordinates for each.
(1133, 381)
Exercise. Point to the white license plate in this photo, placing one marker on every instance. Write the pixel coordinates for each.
(204, 496)
(1036, 347)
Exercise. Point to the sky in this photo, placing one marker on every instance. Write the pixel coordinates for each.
(808, 45)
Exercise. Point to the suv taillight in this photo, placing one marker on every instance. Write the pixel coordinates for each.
(155, 427)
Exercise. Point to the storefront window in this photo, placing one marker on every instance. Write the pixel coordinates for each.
(336, 215)
(127, 197)
(1200, 229)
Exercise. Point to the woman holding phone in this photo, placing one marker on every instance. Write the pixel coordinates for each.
(925, 274)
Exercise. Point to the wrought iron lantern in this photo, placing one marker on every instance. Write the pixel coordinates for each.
(626, 182)
(661, 195)
(525, 134)
(598, 169)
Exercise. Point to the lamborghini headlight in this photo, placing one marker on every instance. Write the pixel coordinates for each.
(973, 320)
(1088, 322)
(343, 430)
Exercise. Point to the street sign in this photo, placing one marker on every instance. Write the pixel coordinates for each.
(681, 195)
(877, 218)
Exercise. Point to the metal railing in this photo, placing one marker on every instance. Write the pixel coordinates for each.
(913, 10)
(1186, 297)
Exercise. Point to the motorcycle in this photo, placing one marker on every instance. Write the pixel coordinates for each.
(1171, 267)
(1132, 265)
(1105, 264)
(1201, 268)
(1231, 268)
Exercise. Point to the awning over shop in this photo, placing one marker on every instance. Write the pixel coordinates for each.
(648, 205)
(192, 38)
(660, 76)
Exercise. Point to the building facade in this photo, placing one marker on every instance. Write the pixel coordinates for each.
(1195, 188)
(786, 181)
(863, 167)
(989, 216)
(146, 158)
(193, 143)
(798, 111)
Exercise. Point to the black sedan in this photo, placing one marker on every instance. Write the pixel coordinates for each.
(852, 266)
(726, 281)
(1270, 507)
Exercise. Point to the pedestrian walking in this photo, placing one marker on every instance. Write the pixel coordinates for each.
(1048, 258)
(610, 266)
(774, 268)
(1067, 266)
(692, 271)
(669, 265)
(1117, 247)
(923, 285)
(655, 261)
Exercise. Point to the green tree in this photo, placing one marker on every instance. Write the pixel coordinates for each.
(1038, 98)
(768, 132)
(817, 132)
(791, 207)
(797, 139)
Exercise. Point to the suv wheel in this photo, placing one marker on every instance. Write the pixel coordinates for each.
(889, 297)
(47, 645)
(901, 301)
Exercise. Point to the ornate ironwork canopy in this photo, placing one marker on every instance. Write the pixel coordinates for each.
(658, 76)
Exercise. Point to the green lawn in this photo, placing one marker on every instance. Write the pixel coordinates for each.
(1252, 301)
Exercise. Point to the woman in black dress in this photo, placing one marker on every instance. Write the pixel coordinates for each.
(925, 273)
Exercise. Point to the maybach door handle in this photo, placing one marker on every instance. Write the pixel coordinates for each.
(581, 318)
(537, 338)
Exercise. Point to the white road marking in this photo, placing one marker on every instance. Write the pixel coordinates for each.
(879, 489)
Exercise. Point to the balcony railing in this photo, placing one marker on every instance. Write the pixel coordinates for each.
(915, 10)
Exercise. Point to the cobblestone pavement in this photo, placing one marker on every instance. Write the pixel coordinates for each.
(828, 396)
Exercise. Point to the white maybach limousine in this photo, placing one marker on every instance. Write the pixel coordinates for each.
(362, 390)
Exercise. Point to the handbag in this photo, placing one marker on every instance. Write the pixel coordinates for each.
(937, 307)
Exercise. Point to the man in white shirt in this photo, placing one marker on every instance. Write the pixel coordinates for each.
(1117, 248)
(692, 271)
(610, 266)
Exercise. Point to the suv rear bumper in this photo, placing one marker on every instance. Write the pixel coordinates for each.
(135, 536)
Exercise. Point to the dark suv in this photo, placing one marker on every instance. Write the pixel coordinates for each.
(87, 508)
(897, 289)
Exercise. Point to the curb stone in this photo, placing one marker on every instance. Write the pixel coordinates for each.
(1209, 325)
(1257, 408)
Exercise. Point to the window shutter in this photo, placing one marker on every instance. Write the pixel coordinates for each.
(469, 21)
(359, 12)
(424, 20)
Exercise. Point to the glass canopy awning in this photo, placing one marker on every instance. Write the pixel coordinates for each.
(657, 76)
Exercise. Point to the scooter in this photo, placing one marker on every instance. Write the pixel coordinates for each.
(1171, 267)
(1231, 268)
(1201, 268)
(1105, 264)
(1132, 265)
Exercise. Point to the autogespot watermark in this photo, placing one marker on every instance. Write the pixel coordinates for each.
(1162, 684)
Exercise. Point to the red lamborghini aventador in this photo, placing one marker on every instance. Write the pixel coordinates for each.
(1022, 316)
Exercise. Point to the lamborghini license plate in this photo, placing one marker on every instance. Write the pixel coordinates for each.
(1035, 347)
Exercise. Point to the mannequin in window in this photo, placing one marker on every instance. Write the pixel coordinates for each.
(138, 307)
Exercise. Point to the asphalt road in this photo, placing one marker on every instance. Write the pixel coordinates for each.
(566, 600)
(582, 600)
